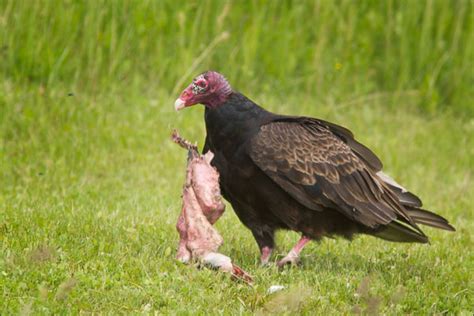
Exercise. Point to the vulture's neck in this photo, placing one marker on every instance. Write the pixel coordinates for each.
(233, 122)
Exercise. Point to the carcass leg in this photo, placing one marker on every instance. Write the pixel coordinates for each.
(183, 255)
(293, 257)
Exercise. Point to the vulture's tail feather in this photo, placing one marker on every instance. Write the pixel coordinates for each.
(424, 217)
(398, 232)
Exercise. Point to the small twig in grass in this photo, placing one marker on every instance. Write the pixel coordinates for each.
(460, 292)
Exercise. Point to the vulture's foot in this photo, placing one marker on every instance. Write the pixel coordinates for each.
(290, 259)
(293, 257)
(266, 254)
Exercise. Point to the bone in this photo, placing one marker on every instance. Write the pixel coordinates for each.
(183, 142)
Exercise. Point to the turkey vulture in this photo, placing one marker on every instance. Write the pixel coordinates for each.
(300, 173)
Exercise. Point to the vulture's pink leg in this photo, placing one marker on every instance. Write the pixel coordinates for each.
(293, 256)
(266, 253)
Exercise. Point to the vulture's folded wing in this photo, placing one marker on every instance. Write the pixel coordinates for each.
(316, 167)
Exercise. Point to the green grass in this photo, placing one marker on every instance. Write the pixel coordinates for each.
(91, 192)
(90, 183)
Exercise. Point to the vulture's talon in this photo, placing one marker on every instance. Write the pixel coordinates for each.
(289, 261)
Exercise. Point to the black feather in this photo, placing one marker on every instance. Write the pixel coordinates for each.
(307, 175)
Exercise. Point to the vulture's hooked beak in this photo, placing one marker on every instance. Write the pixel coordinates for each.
(179, 104)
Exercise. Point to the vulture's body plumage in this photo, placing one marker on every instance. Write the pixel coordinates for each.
(301, 174)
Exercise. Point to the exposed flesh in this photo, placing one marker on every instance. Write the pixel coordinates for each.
(202, 207)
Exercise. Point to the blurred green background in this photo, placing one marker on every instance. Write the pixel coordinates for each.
(326, 49)
(90, 182)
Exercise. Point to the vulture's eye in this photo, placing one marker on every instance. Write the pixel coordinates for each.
(199, 86)
(201, 83)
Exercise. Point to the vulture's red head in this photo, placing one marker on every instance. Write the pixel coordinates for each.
(209, 88)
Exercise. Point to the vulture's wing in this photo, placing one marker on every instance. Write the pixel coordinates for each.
(346, 135)
(314, 165)
(405, 197)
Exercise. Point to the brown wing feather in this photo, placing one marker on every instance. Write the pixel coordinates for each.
(345, 135)
(365, 154)
(359, 149)
(314, 166)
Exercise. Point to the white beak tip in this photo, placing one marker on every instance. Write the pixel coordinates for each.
(179, 104)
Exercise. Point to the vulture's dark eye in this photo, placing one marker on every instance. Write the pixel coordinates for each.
(199, 86)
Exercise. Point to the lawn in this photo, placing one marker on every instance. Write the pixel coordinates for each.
(90, 181)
